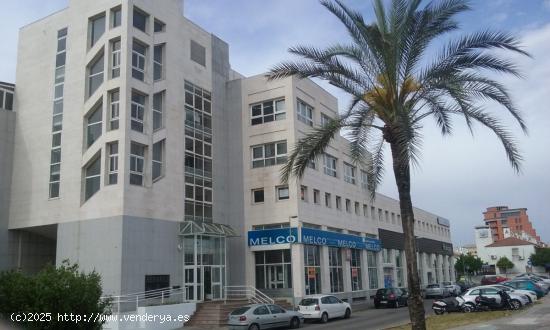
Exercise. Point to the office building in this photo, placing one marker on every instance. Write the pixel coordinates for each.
(499, 218)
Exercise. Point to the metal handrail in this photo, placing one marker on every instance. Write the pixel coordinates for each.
(132, 301)
(250, 293)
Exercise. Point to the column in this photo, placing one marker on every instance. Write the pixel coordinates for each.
(346, 272)
(325, 272)
(298, 281)
(365, 271)
(452, 270)
(446, 276)
(439, 269)
(380, 265)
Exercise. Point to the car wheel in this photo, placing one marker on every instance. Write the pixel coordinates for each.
(295, 323)
(347, 314)
(467, 308)
(515, 304)
(254, 326)
(324, 317)
(439, 311)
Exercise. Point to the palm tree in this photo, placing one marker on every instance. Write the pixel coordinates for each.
(395, 86)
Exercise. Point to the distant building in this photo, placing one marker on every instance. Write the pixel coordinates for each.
(467, 249)
(499, 218)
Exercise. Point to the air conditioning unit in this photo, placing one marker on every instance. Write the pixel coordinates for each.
(494, 257)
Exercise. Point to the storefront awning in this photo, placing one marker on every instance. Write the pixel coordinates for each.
(205, 228)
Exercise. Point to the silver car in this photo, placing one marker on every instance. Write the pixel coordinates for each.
(492, 292)
(453, 288)
(436, 290)
(263, 316)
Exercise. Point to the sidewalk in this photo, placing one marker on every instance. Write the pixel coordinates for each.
(536, 317)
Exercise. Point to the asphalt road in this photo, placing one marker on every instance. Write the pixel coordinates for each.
(371, 319)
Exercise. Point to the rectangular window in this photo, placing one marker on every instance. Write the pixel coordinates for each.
(303, 193)
(198, 53)
(267, 111)
(114, 109)
(365, 210)
(116, 17)
(137, 111)
(137, 161)
(157, 282)
(258, 196)
(335, 270)
(92, 178)
(273, 270)
(93, 125)
(282, 193)
(158, 59)
(357, 211)
(364, 180)
(355, 266)
(316, 196)
(8, 105)
(139, 53)
(349, 173)
(338, 202)
(312, 269)
(95, 75)
(115, 59)
(372, 262)
(328, 200)
(158, 109)
(329, 163)
(158, 159)
(348, 205)
(112, 174)
(159, 26)
(97, 28)
(269, 154)
(324, 119)
(305, 113)
(140, 20)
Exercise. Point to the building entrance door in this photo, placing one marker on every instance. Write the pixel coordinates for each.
(275, 277)
(388, 277)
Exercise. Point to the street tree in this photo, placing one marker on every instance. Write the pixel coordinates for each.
(504, 264)
(541, 258)
(468, 264)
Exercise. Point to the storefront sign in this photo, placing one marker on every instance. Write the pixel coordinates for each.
(272, 236)
(329, 238)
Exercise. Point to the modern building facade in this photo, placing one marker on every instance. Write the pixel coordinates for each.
(139, 153)
(499, 218)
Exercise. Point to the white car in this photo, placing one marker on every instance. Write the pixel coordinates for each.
(470, 295)
(453, 288)
(323, 307)
(530, 294)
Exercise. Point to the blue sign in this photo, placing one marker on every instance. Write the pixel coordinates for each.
(329, 238)
(272, 236)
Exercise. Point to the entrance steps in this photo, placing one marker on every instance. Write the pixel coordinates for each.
(214, 313)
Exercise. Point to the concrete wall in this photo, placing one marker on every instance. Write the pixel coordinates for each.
(7, 131)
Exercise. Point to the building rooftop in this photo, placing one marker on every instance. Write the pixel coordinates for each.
(510, 241)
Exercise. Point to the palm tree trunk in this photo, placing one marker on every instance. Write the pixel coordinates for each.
(403, 181)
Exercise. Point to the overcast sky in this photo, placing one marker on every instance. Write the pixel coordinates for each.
(460, 175)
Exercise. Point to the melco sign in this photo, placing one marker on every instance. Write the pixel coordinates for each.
(272, 236)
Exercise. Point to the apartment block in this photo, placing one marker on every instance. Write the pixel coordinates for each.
(501, 219)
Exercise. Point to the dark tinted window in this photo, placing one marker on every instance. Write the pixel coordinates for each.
(433, 286)
(140, 20)
(9, 101)
(275, 309)
(262, 310)
(240, 311)
(325, 300)
(309, 302)
(198, 53)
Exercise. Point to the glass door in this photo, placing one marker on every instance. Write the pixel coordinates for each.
(275, 277)
(216, 283)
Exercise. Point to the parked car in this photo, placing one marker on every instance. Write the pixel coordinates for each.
(323, 308)
(391, 297)
(263, 316)
(491, 292)
(532, 275)
(436, 290)
(526, 285)
(530, 294)
(453, 288)
(492, 279)
(465, 285)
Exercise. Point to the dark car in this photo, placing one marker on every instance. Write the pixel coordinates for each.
(390, 297)
(465, 285)
(492, 279)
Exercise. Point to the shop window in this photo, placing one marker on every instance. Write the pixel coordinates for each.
(273, 269)
(312, 269)
(335, 270)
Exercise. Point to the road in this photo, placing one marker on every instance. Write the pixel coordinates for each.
(371, 319)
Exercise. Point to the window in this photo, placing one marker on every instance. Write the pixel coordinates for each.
(372, 263)
(92, 179)
(325, 119)
(269, 154)
(267, 111)
(355, 265)
(282, 193)
(364, 180)
(357, 208)
(328, 200)
(114, 109)
(6, 100)
(93, 125)
(157, 282)
(95, 75)
(140, 20)
(158, 159)
(139, 51)
(159, 26)
(116, 17)
(386, 256)
(335, 269)
(258, 196)
(158, 109)
(316, 196)
(137, 161)
(329, 163)
(338, 202)
(305, 113)
(348, 205)
(262, 310)
(311, 164)
(113, 163)
(158, 59)
(312, 269)
(349, 173)
(198, 53)
(365, 210)
(399, 268)
(97, 28)
(115, 59)
(273, 269)
(137, 111)
(303, 193)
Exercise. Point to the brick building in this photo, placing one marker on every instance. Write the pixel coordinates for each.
(501, 218)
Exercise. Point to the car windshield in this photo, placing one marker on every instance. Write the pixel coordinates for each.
(240, 311)
(447, 283)
(433, 286)
(383, 291)
(309, 302)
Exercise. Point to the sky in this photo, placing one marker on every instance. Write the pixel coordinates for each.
(459, 176)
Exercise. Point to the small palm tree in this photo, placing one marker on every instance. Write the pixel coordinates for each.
(394, 87)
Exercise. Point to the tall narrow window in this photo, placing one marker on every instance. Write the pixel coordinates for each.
(312, 269)
(335, 270)
(97, 28)
(349, 173)
(158, 54)
(158, 103)
(137, 161)
(355, 265)
(305, 113)
(93, 178)
(372, 263)
(139, 51)
(113, 163)
(95, 75)
(93, 125)
(116, 17)
(329, 163)
(137, 111)
(114, 109)
(158, 159)
(140, 19)
(328, 200)
(364, 180)
(115, 59)
(198, 53)
(325, 119)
